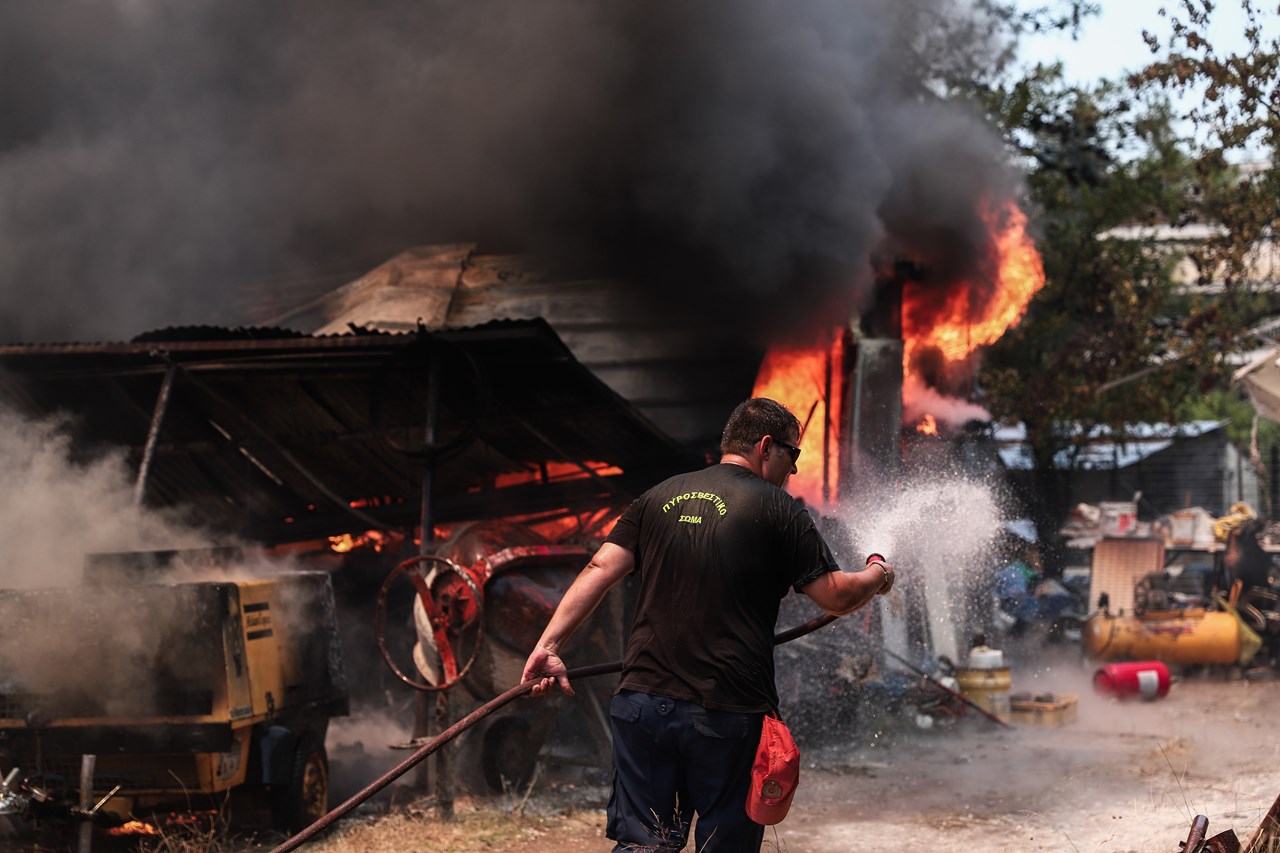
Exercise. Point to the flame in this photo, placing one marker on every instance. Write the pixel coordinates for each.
(375, 501)
(554, 472)
(375, 539)
(943, 319)
(134, 827)
(800, 378)
(950, 323)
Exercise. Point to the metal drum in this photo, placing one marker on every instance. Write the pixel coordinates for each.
(988, 688)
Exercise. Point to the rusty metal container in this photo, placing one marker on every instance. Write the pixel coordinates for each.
(986, 681)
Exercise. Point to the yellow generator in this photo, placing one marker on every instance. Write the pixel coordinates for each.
(169, 693)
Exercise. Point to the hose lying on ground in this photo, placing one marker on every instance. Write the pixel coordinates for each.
(296, 841)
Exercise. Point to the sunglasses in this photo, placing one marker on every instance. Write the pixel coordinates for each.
(790, 448)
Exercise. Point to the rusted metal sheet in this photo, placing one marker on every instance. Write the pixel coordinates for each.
(1223, 842)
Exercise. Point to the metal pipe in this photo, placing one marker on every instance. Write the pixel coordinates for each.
(1195, 838)
(938, 684)
(153, 434)
(470, 720)
(441, 711)
(87, 765)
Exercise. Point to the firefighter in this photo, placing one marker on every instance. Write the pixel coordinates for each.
(715, 550)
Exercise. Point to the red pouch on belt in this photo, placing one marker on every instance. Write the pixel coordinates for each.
(775, 773)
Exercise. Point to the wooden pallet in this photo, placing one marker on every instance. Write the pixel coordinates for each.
(1055, 709)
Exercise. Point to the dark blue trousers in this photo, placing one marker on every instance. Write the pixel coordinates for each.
(672, 760)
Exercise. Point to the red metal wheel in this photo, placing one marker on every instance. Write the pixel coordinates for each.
(462, 612)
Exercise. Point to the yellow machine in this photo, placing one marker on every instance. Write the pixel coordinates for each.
(1179, 637)
(1147, 612)
(175, 690)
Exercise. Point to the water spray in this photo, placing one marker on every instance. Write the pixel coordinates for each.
(942, 530)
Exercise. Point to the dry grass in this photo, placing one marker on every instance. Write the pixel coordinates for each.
(489, 826)
(474, 828)
(209, 836)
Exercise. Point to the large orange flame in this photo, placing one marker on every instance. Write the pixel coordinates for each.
(950, 323)
(956, 327)
(948, 320)
(807, 380)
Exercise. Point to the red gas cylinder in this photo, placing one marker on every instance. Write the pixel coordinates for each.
(1148, 679)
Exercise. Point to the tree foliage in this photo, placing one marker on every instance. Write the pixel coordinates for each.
(1117, 335)
(1098, 160)
(1234, 99)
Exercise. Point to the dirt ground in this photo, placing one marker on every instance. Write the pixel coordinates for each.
(1122, 777)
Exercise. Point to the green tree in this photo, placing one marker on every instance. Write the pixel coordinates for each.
(1113, 338)
(1234, 110)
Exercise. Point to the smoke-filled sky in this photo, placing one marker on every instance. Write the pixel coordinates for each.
(158, 161)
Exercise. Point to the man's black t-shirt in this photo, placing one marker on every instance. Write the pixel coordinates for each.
(716, 551)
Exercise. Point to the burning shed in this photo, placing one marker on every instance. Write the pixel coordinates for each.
(276, 436)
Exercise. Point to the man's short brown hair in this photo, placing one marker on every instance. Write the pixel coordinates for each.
(752, 420)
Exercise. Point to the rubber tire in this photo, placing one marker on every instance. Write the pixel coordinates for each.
(303, 798)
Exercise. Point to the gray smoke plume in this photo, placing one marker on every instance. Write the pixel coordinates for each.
(56, 509)
(176, 164)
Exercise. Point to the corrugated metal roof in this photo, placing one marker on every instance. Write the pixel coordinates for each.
(685, 378)
(1103, 450)
(280, 436)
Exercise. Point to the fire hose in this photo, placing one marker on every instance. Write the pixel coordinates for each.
(323, 823)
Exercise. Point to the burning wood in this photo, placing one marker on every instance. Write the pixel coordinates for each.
(134, 827)
(808, 381)
(375, 539)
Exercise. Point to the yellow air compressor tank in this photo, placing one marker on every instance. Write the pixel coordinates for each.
(1178, 637)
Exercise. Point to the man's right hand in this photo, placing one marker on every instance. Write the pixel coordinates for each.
(545, 667)
(889, 577)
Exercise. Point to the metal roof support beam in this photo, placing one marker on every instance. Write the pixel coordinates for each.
(288, 457)
(551, 445)
(153, 434)
(432, 713)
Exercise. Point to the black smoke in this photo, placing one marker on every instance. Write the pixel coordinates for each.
(742, 159)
